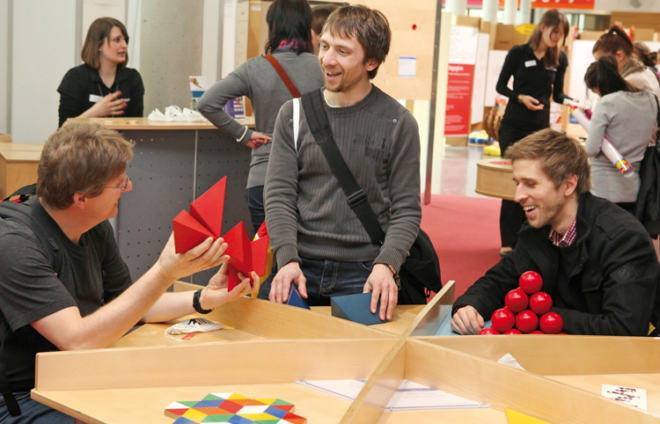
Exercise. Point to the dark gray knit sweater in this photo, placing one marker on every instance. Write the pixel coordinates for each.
(258, 80)
(306, 210)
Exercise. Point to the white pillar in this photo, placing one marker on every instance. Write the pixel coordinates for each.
(490, 8)
(525, 12)
(457, 7)
(510, 7)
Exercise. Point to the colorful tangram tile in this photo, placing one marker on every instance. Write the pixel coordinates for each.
(205, 220)
(235, 409)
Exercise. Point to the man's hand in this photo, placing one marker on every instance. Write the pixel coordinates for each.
(531, 103)
(207, 254)
(381, 283)
(281, 285)
(467, 321)
(216, 294)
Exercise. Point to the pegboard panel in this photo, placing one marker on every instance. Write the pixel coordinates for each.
(218, 156)
(162, 172)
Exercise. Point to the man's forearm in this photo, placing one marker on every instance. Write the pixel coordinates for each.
(170, 306)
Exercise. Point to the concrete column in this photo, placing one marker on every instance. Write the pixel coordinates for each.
(525, 12)
(490, 8)
(457, 7)
(170, 51)
(510, 7)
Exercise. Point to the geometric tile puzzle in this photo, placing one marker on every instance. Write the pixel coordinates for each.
(234, 409)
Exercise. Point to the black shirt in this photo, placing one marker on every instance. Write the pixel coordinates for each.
(92, 274)
(82, 87)
(531, 78)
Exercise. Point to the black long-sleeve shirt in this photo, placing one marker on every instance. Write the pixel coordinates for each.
(82, 87)
(531, 78)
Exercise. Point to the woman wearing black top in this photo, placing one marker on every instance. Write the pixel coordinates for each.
(538, 69)
(103, 85)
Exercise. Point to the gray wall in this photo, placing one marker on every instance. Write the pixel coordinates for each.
(4, 66)
(170, 50)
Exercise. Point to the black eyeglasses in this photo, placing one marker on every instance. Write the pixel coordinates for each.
(125, 186)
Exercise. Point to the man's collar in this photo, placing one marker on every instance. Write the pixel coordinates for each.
(582, 227)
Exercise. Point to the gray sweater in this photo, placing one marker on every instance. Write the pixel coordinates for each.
(306, 210)
(627, 120)
(258, 80)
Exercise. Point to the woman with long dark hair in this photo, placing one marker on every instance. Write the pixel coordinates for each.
(617, 44)
(627, 117)
(538, 70)
(103, 85)
(290, 43)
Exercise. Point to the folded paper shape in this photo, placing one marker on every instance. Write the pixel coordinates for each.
(205, 220)
(356, 308)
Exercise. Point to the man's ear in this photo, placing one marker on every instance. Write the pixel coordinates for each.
(570, 185)
(371, 65)
(79, 200)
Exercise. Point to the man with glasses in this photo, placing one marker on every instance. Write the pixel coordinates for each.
(89, 301)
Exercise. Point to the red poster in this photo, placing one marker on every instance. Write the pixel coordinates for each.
(564, 4)
(459, 99)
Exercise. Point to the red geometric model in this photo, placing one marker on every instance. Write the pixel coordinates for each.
(205, 220)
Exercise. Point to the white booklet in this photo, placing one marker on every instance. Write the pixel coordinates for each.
(409, 397)
(627, 395)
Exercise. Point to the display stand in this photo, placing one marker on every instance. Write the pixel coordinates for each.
(495, 179)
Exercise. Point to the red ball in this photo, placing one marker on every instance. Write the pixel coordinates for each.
(537, 332)
(527, 321)
(502, 320)
(489, 331)
(530, 282)
(551, 323)
(562, 334)
(513, 331)
(516, 300)
(540, 303)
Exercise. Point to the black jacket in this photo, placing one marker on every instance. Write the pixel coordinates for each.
(83, 81)
(613, 287)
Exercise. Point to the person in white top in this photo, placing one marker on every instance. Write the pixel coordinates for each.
(617, 43)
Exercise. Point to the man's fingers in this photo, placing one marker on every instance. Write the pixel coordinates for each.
(302, 285)
(392, 301)
(375, 294)
(457, 324)
(384, 303)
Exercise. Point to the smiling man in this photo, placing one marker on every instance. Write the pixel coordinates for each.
(319, 243)
(596, 260)
(87, 298)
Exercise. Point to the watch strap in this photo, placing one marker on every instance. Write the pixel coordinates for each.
(197, 305)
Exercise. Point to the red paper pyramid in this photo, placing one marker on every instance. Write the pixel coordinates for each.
(205, 220)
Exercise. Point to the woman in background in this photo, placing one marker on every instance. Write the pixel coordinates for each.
(617, 44)
(103, 85)
(538, 70)
(646, 56)
(290, 43)
(627, 117)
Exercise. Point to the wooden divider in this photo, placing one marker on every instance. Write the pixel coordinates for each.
(252, 362)
(563, 355)
(502, 387)
(428, 321)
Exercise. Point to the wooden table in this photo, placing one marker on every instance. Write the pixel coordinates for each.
(560, 384)
(495, 179)
(18, 166)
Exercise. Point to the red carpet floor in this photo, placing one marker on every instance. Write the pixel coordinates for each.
(465, 233)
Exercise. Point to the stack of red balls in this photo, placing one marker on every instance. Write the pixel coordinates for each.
(515, 318)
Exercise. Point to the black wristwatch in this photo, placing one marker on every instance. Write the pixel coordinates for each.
(198, 306)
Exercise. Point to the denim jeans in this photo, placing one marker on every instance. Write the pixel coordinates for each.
(255, 202)
(327, 278)
(32, 412)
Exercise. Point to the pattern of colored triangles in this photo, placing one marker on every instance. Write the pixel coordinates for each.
(233, 408)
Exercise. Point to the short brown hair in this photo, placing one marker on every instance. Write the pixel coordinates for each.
(97, 34)
(320, 15)
(81, 158)
(369, 26)
(561, 156)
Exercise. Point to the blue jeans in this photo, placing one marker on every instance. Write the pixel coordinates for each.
(32, 412)
(327, 278)
(255, 202)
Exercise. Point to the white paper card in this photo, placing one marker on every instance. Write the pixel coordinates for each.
(94, 98)
(407, 66)
(409, 397)
(530, 63)
(626, 395)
